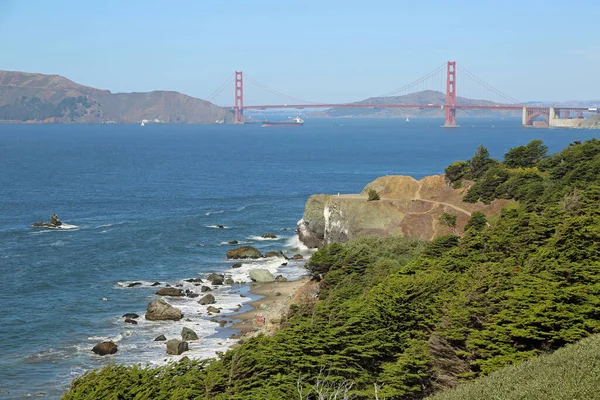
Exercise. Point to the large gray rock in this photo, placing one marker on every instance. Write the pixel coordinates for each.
(244, 252)
(207, 299)
(105, 348)
(176, 347)
(188, 334)
(160, 310)
(261, 275)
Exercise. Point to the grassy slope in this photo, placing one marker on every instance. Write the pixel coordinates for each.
(572, 372)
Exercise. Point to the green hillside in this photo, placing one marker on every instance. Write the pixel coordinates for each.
(571, 373)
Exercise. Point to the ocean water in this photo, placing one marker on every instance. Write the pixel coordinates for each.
(143, 205)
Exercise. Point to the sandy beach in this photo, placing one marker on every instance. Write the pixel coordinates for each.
(270, 310)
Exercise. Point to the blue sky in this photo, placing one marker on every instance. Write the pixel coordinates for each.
(329, 51)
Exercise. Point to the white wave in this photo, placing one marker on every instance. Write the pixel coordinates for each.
(260, 238)
(272, 264)
(66, 227)
(58, 243)
(240, 208)
(294, 243)
(214, 212)
(238, 243)
(217, 226)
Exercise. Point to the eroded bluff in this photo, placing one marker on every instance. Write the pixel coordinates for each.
(407, 207)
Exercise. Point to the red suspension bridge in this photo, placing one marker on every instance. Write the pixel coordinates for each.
(551, 116)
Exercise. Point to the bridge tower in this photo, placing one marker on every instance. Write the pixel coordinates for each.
(239, 98)
(451, 96)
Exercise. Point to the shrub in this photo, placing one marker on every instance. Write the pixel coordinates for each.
(373, 195)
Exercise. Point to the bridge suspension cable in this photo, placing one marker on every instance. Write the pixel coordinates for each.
(479, 81)
(275, 92)
(417, 82)
(220, 89)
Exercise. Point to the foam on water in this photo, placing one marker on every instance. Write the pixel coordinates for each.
(260, 238)
(217, 226)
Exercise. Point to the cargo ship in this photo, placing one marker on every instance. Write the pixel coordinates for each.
(297, 121)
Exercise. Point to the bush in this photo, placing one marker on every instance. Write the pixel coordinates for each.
(373, 195)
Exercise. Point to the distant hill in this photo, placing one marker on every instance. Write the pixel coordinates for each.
(29, 97)
(425, 97)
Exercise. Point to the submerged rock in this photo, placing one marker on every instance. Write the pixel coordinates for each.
(170, 292)
(213, 310)
(276, 253)
(130, 315)
(269, 236)
(130, 321)
(244, 252)
(237, 265)
(160, 310)
(105, 348)
(160, 338)
(233, 242)
(297, 257)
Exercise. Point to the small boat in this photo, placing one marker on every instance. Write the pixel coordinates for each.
(407, 120)
(142, 124)
(297, 121)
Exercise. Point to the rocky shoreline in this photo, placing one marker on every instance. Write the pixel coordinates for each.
(174, 306)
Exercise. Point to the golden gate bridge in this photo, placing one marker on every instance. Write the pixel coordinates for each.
(551, 115)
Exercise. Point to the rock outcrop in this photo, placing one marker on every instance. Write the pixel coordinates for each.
(407, 207)
(105, 348)
(176, 347)
(160, 310)
(244, 252)
(261, 275)
(54, 222)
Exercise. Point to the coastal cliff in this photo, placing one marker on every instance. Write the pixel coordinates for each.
(407, 207)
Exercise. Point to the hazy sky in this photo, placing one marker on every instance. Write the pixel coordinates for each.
(330, 51)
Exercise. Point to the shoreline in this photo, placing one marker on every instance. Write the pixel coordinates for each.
(269, 311)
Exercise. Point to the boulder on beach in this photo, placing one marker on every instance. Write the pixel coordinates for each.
(160, 338)
(297, 257)
(207, 299)
(176, 347)
(213, 310)
(204, 289)
(105, 348)
(236, 265)
(280, 278)
(188, 334)
(160, 310)
(244, 252)
(170, 292)
(229, 281)
(261, 275)
(269, 236)
(276, 253)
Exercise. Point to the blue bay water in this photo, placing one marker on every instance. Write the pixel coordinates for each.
(145, 202)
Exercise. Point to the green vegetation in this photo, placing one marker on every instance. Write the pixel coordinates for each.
(373, 195)
(448, 220)
(33, 108)
(409, 319)
(572, 372)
